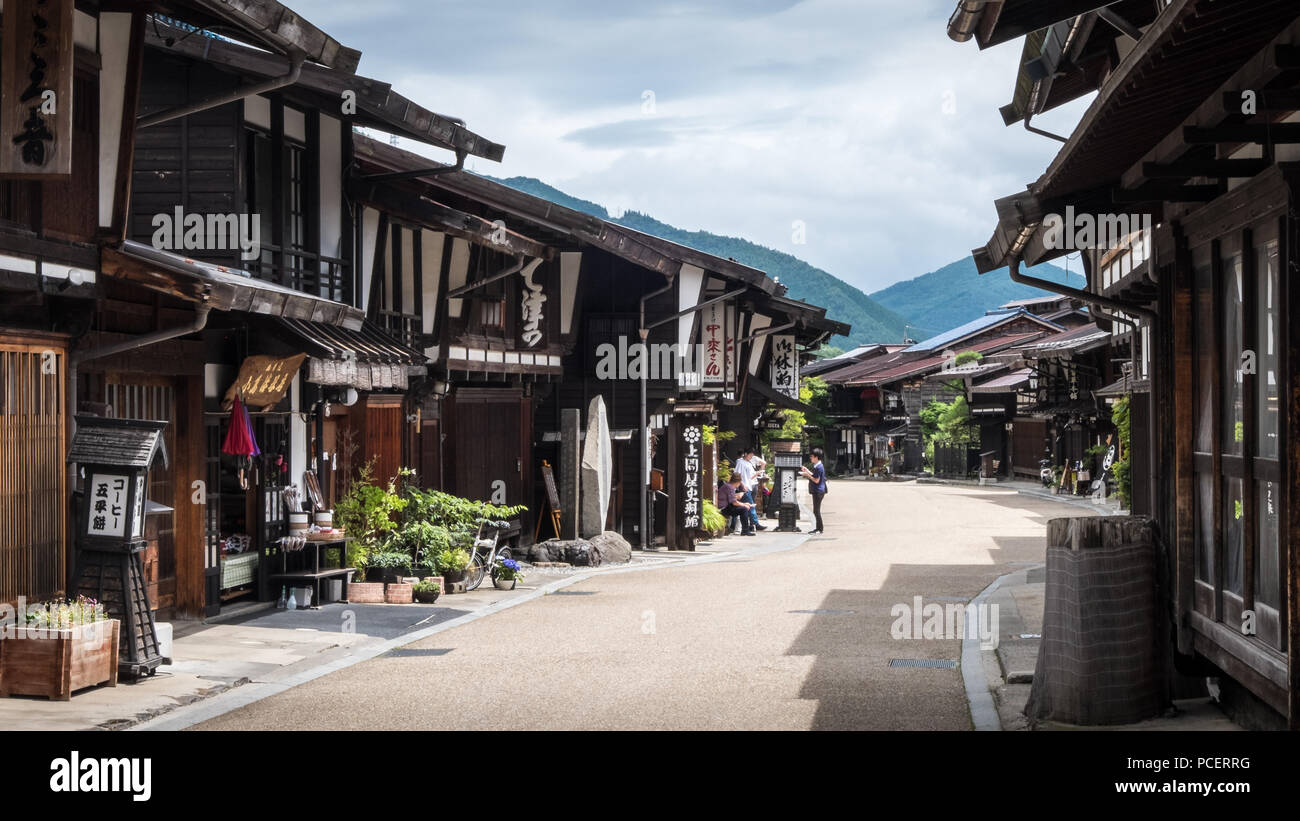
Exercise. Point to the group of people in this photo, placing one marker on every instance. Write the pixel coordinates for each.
(736, 494)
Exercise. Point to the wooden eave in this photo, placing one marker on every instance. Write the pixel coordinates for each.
(219, 287)
(649, 252)
(1190, 49)
(412, 207)
(271, 24)
(378, 106)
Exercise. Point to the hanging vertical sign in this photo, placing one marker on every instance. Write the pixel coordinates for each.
(713, 344)
(530, 306)
(36, 68)
(730, 367)
(785, 365)
(692, 451)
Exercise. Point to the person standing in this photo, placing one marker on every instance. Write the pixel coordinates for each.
(749, 481)
(816, 477)
(731, 506)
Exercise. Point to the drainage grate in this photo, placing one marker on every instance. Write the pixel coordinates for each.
(574, 593)
(942, 664)
(412, 652)
(823, 612)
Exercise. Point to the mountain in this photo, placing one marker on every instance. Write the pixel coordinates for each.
(956, 293)
(916, 308)
(870, 321)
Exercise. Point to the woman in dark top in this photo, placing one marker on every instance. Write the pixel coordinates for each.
(816, 477)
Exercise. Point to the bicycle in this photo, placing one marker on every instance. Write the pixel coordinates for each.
(486, 553)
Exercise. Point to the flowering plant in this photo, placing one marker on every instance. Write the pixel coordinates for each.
(64, 614)
(507, 569)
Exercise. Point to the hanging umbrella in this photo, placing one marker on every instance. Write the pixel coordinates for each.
(239, 438)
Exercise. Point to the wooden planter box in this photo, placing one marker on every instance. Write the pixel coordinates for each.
(56, 663)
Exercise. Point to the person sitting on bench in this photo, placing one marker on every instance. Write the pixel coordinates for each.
(731, 506)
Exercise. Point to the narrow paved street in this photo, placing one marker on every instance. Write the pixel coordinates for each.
(715, 645)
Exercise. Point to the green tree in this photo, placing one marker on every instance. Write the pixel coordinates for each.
(1121, 467)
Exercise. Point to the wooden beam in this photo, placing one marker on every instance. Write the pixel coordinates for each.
(1257, 72)
(1165, 192)
(1286, 56)
(443, 218)
(1266, 100)
(1262, 133)
(1222, 169)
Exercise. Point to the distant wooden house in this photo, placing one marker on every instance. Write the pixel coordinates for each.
(891, 388)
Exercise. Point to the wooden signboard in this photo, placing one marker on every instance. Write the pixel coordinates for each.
(36, 68)
(263, 380)
(552, 498)
(548, 477)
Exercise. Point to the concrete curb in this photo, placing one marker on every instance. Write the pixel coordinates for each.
(979, 695)
(230, 700)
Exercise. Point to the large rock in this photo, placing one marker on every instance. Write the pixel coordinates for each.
(573, 551)
(612, 547)
(608, 547)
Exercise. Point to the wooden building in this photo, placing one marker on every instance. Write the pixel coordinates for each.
(1193, 138)
(64, 201)
(886, 390)
(202, 246)
(527, 308)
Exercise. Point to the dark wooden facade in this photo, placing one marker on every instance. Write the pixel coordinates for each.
(1213, 294)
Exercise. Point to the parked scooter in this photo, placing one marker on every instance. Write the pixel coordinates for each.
(1045, 473)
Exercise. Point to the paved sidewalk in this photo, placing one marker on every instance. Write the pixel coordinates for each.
(259, 645)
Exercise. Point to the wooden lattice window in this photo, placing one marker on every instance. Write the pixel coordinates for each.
(33, 473)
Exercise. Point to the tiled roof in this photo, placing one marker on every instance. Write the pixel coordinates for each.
(975, 326)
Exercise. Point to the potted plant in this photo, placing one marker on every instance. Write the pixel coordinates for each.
(388, 566)
(452, 564)
(59, 647)
(505, 574)
(426, 592)
(366, 513)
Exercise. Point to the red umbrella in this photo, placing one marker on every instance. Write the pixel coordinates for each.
(239, 438)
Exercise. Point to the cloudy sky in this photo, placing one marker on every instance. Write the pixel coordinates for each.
(858, 119)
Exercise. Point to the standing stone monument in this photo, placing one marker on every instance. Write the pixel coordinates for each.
(597, 470)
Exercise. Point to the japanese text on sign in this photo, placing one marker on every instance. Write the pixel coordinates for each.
(692, 502)
(107, 515)
(785, 366)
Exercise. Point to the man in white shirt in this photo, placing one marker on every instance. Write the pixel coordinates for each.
(745, 467)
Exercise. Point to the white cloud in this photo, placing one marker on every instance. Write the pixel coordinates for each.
(862, 120)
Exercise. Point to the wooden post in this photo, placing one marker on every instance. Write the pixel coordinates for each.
(1290, 424)
(1183, 396)
(189, 520)
(570, 466)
